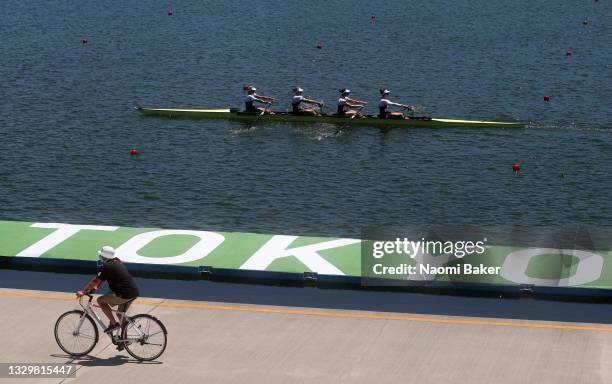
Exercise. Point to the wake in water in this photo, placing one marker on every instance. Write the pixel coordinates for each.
(569, 127)
(315, 132)
(320, 132)
(243, 130)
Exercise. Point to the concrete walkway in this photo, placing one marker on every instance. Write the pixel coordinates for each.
(235, 343)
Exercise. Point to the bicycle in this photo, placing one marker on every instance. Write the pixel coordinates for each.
(77, 335)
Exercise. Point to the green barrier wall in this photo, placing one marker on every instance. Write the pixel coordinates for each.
(514, 266)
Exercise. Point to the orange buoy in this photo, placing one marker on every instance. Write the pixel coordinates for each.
(546, 98)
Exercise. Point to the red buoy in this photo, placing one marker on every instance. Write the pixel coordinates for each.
(134, 152)
(373, 18)
(84, 41)
(546, 98)
(319, 46)
(585, 22)
(516, 167)
(170, 12)
(568, 54)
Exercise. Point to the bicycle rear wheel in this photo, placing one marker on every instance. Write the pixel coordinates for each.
(145, 337)
(73, 339)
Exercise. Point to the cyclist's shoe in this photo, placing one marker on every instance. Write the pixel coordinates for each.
(120, 346)
(111, 328)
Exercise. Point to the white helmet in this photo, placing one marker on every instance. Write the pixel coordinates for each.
(106, 252)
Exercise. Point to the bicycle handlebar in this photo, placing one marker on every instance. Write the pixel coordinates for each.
(88, 295)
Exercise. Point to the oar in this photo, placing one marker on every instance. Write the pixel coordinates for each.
(358, 110)
(261, 113)
(321, 105)
(413, 109)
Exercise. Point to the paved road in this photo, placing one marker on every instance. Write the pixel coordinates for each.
(245, 343)
(376, 301)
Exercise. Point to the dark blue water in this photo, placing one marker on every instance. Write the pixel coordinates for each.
(67, 123)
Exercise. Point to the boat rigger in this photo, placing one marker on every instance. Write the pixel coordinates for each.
(285, 117)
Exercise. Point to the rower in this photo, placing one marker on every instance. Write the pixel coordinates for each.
(345, 103)
(384, 103)
(298, 99)
(253, 97)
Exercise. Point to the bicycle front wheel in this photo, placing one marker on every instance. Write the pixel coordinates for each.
(76, 333)
(145, 337)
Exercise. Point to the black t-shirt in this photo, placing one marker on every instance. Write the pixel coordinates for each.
(119, 279)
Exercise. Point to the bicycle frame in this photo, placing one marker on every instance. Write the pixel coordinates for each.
(88, 309)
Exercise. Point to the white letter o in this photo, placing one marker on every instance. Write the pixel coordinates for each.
(588, 270)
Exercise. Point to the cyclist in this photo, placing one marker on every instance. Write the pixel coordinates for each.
(121, 283)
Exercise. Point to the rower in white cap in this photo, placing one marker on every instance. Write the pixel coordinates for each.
(346, 104)
(253, 97)
(384, 103)
(298, 99)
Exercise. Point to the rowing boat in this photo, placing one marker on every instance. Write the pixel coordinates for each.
(236, 115)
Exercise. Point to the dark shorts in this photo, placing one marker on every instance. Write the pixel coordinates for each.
(114, 300)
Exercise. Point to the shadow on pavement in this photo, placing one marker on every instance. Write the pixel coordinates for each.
(93, 361)
(397, 302)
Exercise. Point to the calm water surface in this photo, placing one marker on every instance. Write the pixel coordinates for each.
(67, 123)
